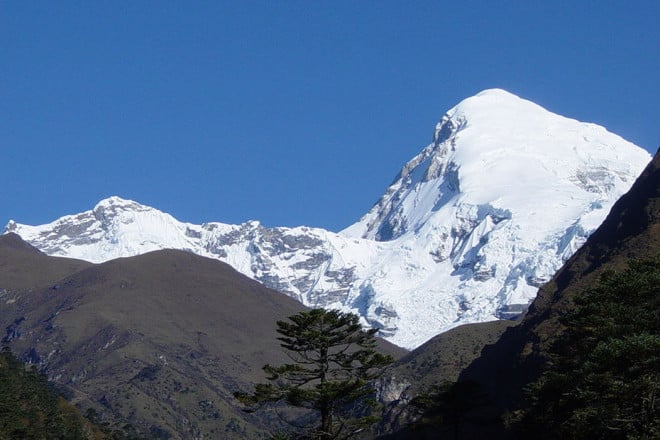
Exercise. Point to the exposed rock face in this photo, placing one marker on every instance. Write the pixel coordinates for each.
(389, 389)
(469, 229)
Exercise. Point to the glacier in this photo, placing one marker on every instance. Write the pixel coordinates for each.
(467, 232)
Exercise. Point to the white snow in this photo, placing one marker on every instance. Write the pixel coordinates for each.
(505, 193)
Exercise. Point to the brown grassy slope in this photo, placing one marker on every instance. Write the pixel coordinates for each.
(23, 266)
(443, 357)
(631, 230)
(159, 341)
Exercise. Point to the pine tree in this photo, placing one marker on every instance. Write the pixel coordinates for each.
(334, 360)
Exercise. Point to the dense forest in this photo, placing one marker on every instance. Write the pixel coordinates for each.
(603, 377)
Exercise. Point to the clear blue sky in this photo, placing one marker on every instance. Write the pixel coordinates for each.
(289, 112)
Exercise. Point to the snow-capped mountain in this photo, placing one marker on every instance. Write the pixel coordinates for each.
(469, 229)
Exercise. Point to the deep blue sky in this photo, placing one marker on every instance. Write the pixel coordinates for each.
(289, 112)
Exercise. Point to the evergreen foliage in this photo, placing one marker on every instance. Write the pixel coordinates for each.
(31, 409)
(334, 360)
(604, 374)
(446, 409)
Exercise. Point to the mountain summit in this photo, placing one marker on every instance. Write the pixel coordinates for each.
(500, 152)
(472, 225)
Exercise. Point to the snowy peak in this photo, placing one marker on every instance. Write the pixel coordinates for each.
(500, 150)
(114, 228)
(115, 205)
(467, 232)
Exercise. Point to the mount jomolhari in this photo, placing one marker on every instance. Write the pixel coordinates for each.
(108, 305)
(467, 232)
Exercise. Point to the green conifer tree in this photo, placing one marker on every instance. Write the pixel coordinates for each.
(334, 360)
